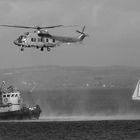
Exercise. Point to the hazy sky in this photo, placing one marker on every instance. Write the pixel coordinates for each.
(113, 26)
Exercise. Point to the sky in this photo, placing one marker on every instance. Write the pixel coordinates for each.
(113, 27)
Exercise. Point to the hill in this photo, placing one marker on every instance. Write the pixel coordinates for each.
(56, 77)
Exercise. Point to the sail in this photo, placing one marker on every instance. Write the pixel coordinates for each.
(136, 94)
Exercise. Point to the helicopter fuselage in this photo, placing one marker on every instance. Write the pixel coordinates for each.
(41, 38)
(29, 40)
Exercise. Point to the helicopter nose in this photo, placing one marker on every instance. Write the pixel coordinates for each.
(15, 42)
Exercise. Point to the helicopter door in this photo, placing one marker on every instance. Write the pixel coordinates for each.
(46, 42)
(39, 41)
(33, 42)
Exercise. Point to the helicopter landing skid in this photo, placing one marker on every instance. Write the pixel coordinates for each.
(22, 49)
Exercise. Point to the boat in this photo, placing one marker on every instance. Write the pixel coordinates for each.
(12, 106)
(136, 94)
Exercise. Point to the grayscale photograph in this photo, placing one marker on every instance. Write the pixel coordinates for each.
(69, 69)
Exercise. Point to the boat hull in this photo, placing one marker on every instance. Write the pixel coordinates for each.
(23, 114)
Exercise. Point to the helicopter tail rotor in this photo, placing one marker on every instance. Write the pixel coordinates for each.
(82, 32)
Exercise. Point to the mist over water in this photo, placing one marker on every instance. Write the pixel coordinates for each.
(62, 93)
(86, 104)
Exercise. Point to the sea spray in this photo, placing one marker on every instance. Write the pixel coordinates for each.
(93, 103)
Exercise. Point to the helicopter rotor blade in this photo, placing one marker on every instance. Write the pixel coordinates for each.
(79, 32)
(37, 27)
(29, 27)
(69, 26)
(51, 26)
(63, 26)
(83, 29)
(18, 26)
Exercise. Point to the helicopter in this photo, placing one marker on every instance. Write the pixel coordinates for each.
(40, 38)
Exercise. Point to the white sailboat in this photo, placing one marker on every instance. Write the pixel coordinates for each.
(136, 94)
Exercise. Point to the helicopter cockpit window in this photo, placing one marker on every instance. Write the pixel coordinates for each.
(12, 95)
(53, 40)
(8, 95)
(20, 38)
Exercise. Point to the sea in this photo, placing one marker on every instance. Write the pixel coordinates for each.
(91, 114)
